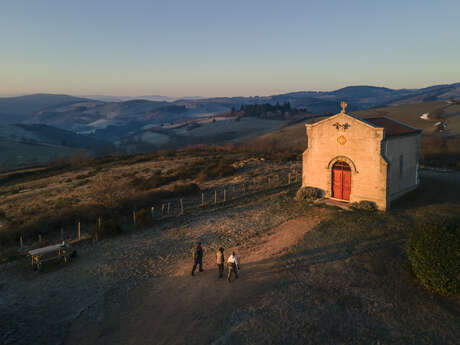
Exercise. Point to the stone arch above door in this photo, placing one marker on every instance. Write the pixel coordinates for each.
(342, 159)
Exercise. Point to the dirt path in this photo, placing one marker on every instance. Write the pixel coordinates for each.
(181, 309)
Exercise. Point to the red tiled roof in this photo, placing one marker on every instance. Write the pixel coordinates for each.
(392, 127)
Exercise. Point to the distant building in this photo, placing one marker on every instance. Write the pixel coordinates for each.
(352, 159)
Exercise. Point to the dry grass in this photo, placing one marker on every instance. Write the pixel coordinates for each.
(44, 201)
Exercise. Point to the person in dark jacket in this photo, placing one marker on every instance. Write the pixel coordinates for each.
(197, 254)
(220, 261)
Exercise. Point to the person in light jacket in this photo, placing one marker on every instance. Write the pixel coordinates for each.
(220, 261)
(233, 266)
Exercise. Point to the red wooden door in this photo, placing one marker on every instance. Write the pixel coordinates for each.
(341, 181)
(346, 184)
(337, 183)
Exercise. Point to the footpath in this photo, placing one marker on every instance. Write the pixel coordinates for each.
(185, 309)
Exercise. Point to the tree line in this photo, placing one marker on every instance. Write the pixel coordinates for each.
(268, 111)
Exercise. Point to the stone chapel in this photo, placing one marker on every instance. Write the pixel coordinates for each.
(352, 159)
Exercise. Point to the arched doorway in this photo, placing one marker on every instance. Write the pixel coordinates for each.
(341, 180)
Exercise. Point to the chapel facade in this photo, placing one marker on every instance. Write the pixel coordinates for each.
(352, 159)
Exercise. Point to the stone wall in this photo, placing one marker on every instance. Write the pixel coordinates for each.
(359, 144)
(405, 149)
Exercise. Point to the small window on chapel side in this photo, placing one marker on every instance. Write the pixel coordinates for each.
(401, 167)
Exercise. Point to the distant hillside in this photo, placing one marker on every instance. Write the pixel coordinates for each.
(24, 144)
(435, 112)
(43, 134)
(112, 120)
(17, 109)
(207, 131)
(14, 153)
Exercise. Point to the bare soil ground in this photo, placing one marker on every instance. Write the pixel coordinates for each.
(181, 309)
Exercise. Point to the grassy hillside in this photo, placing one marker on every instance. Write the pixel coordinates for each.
(16, 109)
(36, 144)
(287, 138)
(14, 153)
(410, 114)
(207, 131)
(43, 134)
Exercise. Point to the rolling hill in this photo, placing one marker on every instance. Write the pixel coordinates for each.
(16, 153)
(26, 144)
(22, 108)
(112, 120)
(439, 111)
(44, 134)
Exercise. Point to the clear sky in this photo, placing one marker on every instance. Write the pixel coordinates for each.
(225, 48)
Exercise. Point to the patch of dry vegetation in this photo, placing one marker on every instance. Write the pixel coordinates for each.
(46, 200)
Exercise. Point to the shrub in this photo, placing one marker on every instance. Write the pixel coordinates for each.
(364, 205)
(152, 182)
(216, 169)
(308, 194)
(434, 253)
(143, 217)
(109, 228)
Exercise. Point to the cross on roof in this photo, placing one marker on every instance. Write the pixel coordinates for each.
(343, 104)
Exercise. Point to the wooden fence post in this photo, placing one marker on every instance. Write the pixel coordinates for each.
(39, 238)
(215, 196)
(99, 226)
(181, 206)
(162, 209)
(289, 178)
(21, 243)
(169, 206)
(134, 218)
(152, 211)
(202, 198)
(79, 234)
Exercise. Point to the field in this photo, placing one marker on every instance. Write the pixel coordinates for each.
(310, 274)
(410, 114)
(14, 153)
(203, 131)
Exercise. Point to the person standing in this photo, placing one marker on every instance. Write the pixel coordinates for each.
(220, 261)
(233, 266)
(197, 254)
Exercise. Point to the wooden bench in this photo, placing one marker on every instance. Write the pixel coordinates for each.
(49, 253)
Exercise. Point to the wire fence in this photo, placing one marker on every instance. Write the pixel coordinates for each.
(170, 208)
